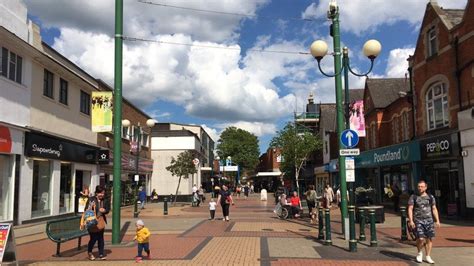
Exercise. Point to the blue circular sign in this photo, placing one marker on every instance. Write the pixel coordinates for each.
(349, 138)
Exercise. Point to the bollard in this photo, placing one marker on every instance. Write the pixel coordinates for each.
(320, 223)
(362, 225)
(373, 232)
(403, 211)
(352, 233)
(165, 206)
(327, 215)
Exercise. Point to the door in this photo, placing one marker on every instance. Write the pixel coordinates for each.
(79, 186)
(442, 190)
(454, 205)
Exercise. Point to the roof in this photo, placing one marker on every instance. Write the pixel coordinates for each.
(328, 116)
(355, 94)
(385, 91)
(454, 16)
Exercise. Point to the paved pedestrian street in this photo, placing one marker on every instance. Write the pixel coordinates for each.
(254, 236)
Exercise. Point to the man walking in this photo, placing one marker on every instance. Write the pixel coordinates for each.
(421, 211)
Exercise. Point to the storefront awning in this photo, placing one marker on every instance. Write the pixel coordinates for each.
(269, 174)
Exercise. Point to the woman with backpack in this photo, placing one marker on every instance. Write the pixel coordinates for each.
(94, 220)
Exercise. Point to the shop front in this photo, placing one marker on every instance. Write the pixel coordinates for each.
(130, 170)
(322, 177)
(11, 143)
(393, 167)
(442, 169)
(54, 173)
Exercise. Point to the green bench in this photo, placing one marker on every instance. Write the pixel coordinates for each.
(65, 229)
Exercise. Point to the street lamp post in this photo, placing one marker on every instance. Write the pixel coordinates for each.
(126, 123)
(319, 49)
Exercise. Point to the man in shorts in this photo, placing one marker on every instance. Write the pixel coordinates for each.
(421, 211)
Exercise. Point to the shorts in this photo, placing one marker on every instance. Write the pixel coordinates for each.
(424, 229)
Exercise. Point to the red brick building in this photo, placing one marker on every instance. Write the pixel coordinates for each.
(442, 71)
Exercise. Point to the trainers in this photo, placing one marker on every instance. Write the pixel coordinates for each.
(419, 257)
(138, 259)
(102, 257)
(90, 256)
(429, 260)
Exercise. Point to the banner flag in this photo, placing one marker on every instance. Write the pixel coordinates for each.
(102, 111)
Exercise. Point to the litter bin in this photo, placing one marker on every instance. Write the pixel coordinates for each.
(379, 213)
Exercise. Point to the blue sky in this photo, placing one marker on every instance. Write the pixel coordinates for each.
(235, 84)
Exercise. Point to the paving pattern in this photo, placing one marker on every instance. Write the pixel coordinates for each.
(254, 236)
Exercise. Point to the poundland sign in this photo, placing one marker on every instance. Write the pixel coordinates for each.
(392, 155)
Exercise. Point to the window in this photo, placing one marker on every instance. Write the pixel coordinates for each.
(395, 130)
(85, 103)
(66, 197)
(11, 66)
(41, 192)
(6, 190)
(125, 132)
(437, 109)
(144, 139)
(63, 91)
(432, 42)
(48, 89)
(136, 131)
(405, 126)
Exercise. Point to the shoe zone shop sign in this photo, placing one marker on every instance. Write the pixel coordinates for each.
(392, 155)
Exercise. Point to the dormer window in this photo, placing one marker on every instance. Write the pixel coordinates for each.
(432, 42)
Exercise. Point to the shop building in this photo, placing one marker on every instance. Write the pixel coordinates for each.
(442, 73)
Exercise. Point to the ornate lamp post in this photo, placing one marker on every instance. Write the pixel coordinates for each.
(319, 49)
(126, 123)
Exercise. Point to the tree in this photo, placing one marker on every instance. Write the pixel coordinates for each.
(295, 147)
(182, 167)
(241, 145)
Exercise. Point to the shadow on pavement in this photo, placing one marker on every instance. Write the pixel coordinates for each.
(470, 241)
(398, 255)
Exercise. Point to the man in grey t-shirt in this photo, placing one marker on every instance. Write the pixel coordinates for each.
(423, 216)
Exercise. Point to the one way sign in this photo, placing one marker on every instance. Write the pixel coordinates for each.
(349, 138)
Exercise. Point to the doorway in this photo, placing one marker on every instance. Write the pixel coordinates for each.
(83, 179)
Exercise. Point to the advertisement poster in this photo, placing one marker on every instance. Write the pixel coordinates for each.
(356, 118)
(4, 230)
(102, 102)
(7, 246)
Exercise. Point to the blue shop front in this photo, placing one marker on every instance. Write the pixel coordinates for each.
(395, 165)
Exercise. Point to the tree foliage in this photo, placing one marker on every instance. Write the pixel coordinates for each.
(241, 145)
(182, 167)
(296, 147)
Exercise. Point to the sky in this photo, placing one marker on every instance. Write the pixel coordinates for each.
(241, 63)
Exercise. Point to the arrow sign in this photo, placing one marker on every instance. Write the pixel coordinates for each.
(349, 138)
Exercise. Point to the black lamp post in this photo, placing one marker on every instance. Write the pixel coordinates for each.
(126, 123)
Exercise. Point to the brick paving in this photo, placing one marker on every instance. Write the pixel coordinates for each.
(254, 236)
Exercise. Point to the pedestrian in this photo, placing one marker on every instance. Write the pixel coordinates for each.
(239, 189)
(100, 208)
(212, 208)
(423, 216)
(154, 196)
(225, 200)
(142, 197)
(252, 189)
(200, 192)
(142, 237)
(246, 191)
(311, 198)
(328, 196)
(295, 204)
(396, 196)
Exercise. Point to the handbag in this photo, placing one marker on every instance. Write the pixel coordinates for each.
(99, 225)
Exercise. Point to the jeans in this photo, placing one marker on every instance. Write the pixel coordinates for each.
(142, 204)
(213, 212)
(143, 246)
(96, 237)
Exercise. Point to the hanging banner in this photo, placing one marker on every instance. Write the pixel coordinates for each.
(7, 244)
(102, 111)
(356, 118)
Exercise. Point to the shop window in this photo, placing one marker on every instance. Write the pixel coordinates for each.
(11, 65)
(41, 192)
(85, 103)
(437, 108)
(432, 41)
(66, 198)
(5, 188)
(48, 87)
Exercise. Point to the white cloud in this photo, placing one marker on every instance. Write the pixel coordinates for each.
(144, 20)
(257, 128)
(397, 62)
(366, 16)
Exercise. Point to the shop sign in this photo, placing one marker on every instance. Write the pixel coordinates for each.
(440, 146)
(321, 169)
(44, 146)
(11, 140)
(393, 155)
